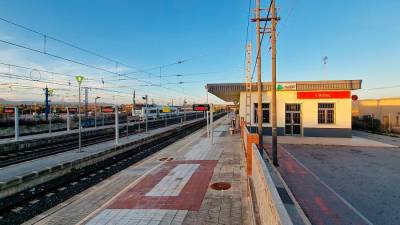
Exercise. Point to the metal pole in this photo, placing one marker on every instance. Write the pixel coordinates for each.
(134, 105)
(146, 113)
(211, 123)
(116, 125)
(273, 53)
(51, 117)
(79, 120)
(95, 112)
(16, 119)
(68, 121)
(208, 126)
(259, 84)
(46, 93)
(102, 115)
(127, 124)
(86, 101)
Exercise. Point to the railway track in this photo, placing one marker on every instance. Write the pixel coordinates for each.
(25, 205)
(12, 158)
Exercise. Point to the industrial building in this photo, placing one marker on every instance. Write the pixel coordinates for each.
(304, 108)
(386, 110)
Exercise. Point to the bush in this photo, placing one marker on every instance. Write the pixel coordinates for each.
(366, 123)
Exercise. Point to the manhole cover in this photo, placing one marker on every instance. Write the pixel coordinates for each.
(219, 186)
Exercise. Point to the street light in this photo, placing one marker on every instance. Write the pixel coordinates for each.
(95, 111)
(79, 79)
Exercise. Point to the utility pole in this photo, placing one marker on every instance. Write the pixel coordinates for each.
(95, 111)
(259, 84)
(146, 111)
(273, 53)
(46, 102)
(134, 105)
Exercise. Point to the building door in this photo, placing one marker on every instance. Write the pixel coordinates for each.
(292, 120)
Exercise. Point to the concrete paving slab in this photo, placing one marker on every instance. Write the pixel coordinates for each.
(320, 202)
(367, 177)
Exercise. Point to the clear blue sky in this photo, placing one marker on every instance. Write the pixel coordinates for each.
(360, 38)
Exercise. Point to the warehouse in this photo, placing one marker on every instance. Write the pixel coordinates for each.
(304, 108)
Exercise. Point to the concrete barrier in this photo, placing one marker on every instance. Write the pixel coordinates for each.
(248, 140)
(270, 206)
(267, 205)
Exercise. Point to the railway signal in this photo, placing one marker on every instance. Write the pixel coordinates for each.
(201, 107)
(107, 109)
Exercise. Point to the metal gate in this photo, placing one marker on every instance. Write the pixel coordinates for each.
(293, 119)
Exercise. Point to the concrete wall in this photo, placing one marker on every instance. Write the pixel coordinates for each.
(270, 206)
(309, 110)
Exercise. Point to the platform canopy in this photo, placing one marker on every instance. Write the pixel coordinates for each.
(230, 92)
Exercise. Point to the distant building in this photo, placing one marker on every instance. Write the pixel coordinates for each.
(387, 110)
(304, 108)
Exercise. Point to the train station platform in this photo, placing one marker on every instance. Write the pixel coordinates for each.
(179, 185)
(24, 168)
(18, 177)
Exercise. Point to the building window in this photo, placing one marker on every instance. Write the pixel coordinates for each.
(265, 112)
(326, 113)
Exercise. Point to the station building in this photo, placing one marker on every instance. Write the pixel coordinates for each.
(304, 108)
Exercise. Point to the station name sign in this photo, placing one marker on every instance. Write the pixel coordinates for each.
(107, 109)
(201, 107)
(72, 109)
(323, 94)
(286, 86)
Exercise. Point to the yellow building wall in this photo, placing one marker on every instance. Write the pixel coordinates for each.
(309, 109)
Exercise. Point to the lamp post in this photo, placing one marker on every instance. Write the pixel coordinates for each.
(79, 79)
(95, 111)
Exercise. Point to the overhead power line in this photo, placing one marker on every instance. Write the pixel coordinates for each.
(262, 38)
(45, 52)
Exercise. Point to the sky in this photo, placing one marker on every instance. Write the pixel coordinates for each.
(359, 37)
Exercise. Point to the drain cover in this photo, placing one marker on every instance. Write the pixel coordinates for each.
(166, 159)
(220, 186)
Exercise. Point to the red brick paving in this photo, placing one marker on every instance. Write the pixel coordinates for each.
(190, 197)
